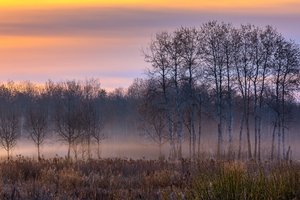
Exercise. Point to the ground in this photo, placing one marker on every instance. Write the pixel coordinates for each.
(59, 178)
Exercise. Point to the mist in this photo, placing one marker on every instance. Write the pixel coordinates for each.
(216, 91)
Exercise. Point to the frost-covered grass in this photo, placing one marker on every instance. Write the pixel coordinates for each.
(59, 178)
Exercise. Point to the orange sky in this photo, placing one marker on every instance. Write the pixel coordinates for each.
(66, 39)
(39, 3)
(179, 4)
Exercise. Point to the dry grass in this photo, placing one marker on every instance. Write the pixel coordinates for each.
(59, 178)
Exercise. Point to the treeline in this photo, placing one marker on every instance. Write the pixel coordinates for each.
(238, 86)
(72, 112)
(244, 78)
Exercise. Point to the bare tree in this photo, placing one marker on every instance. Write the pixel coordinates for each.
(91, 90)
(285, 71)
(174, 52)
(238, 66)
(263, 41)
(95, 123)
(153, 121)
(202, 109)
(36, 122)
(229, 51)
(215, 70)
(68, 115)
(157, 54)
(190, 41)
(9, 126)
(243, 59)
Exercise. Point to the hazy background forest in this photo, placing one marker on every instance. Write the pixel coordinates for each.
(214, 91)
(161, 99)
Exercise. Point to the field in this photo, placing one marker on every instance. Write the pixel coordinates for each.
(59, 178)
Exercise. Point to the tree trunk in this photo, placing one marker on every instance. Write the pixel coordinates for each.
(229, 99)
(179, 129)
(219, 148)
(99, 149)
(75, 150)
(273, 140)
(259, 138)
(248, 129)
(189, 127)
(8, 155)
(255, 131)
(248, 137)
(69, 150)
(190, 143)
(278, 141)
(199, 129)
(241, 136)
(283, 141)
(259, 123)
(160, 151)
(230, 129)
(193, 131)
(168, 115)
(283, 121)
(89, 147)
(220, 126)
(38, 148)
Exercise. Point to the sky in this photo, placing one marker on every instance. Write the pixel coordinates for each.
(80, 39)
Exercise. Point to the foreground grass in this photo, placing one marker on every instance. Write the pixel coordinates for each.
(147, 179)
(238, 180)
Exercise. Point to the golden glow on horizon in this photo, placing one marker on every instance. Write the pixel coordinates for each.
(57, 3)
(21, 42)
(188, 4)
(11, 42)
(11, 46)
(42, 39)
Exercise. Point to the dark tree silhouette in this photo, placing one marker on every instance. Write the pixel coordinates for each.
(36, 122)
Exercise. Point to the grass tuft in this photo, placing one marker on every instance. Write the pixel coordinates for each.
(59, 178)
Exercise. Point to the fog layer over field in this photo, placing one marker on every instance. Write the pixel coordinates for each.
(217, 91)
(134, 147)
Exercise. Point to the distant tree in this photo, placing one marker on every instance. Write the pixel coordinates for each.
(153, 121)
(90, 92)
(229, 51)
(36, 122)
(98, 124)
(285, 80)
(244, 74)
(236, 65)
(93, 114)
(263, 41)
(158, 56)
(9, 125)
(69, 114)
(203, 109)
(191, 50)
(215, 67)
(174, 50)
